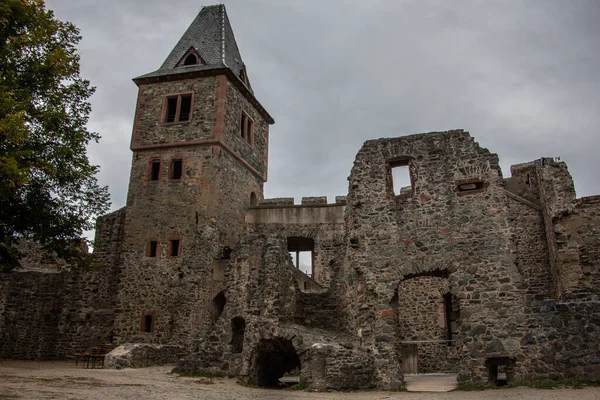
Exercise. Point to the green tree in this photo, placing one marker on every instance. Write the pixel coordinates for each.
(48, 189)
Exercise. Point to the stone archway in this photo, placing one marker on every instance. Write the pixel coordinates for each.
(272, 359)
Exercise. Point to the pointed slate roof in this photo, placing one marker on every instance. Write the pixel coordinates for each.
(211, 36)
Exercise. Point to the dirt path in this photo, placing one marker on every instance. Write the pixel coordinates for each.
(62, 380)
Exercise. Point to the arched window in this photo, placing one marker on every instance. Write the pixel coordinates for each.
(253, 199)
(191, 59)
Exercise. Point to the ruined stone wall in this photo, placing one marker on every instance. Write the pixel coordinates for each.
(321, 222)
(53, 315)
(436, 227)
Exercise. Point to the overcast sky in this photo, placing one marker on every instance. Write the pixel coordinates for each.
(523, 77)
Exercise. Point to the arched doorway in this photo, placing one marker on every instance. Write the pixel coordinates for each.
(273, 358)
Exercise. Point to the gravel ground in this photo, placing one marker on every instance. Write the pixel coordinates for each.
(62, 380)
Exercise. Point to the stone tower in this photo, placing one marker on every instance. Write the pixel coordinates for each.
(200, 150)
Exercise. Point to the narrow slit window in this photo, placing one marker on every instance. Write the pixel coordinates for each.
(153, 248)
(176, 169)
(154, 170)
(171, 109)
(186, 107)
(175, 248)
(243, 126)
(148, 323)
(250, 132)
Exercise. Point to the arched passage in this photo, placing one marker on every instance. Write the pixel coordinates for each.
(272, 359)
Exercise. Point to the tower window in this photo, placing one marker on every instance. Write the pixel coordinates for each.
(176, 169)
(147, 322)
(152, 248)
(175, 247)
(247, 128)
(177, 108)
(190, 60)
(154, 170)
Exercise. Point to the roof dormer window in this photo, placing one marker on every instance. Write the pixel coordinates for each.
(191, 59)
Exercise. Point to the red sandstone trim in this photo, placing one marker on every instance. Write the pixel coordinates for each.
(153, 239)
(211, 72)
(149, 169)
(137, 121)
(210, 142)
(169, 239)
(177, 157)
(163, 114)
(220, 102)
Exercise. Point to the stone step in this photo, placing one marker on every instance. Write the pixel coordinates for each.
(431, 382)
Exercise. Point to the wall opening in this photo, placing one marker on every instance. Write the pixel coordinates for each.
(253, 199)
(154, 170)
(176, 168)
(153, 248)
(302, 251)
(501, 370)
(175, 248)
(400, 178)
(238, 329)
(191, 59)
(452, 314)
(218, 305)
(147, 322)
(177, 108)
(273, 359)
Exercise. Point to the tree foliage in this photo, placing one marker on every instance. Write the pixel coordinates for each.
(48, 189)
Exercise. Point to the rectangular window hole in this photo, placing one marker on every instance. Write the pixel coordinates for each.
(185, 107)
(153, 250)
(175, 248)
(243, 125)
(155, 170)
(171, 109)
(176, 169)
(401, 181)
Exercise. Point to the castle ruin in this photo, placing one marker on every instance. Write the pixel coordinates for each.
(463, 271)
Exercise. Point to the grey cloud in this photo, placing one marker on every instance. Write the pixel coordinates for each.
(522, 77)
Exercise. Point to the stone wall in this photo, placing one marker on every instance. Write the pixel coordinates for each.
(53, 315)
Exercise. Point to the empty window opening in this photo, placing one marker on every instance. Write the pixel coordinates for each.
(302, 251)
(171, 109)
(247, 128)
(153, 248)
(253, 199)
(178, 108)
(176, 169)
(226, 253)
(273, 359)
(186, 107)
(501, 370)
(467, 187)
(154, 170)
(148, 323)
(191, 59)
(218, 305)
(452, 314)
(238, 329)
(399, 177)
(175, 248)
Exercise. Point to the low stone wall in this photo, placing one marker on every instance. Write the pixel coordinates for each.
(139, 355)
(328, 366)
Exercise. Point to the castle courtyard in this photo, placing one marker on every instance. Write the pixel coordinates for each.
(64, 380)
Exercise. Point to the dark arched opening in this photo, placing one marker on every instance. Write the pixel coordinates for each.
(238, 329)
(148, 323)
(190, 60)
(273, 359)
(218, 304)
(253, 199)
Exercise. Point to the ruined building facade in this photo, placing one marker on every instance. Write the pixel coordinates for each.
(462, 271)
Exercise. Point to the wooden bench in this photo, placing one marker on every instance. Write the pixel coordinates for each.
(95, 357)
